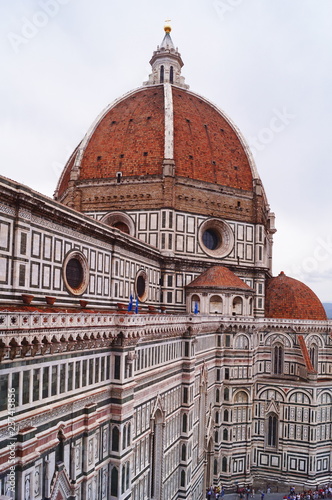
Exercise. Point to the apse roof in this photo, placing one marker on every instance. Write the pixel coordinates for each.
(218, 277)
(289, 298)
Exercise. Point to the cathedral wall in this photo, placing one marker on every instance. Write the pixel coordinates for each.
(203, 387)
(178, 235)
(39, 239)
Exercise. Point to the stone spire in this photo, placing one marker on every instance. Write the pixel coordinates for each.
(166, 62)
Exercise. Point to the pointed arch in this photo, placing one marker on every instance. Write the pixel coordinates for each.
(202, 413)
(209, 463)
(114, 482)
(226, 394)
(157, 452)
(184, 422)
(115, 438)
(272, 430)
(278, 359)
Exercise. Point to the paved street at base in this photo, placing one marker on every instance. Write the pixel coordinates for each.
(257, 496)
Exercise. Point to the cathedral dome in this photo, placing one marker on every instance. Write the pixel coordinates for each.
(138, 133)
(289, 298)
(162, 145)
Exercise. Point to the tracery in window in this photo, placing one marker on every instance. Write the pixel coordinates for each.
(242, 342)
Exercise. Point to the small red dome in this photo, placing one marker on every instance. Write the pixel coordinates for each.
(218, 277)
(291, 299)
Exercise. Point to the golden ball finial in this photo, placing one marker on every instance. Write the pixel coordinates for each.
(167, 26)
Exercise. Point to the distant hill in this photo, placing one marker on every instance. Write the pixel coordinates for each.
(328, 309)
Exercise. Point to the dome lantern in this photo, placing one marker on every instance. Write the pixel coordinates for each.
(166, 62)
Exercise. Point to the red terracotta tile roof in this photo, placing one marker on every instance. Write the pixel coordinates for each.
(291, 299)
(129, 138)
(132, 128)
(218, 277)
(206, 147)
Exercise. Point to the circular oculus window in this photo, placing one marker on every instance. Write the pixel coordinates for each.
(142, 286)
(216, 238)
(76, 273)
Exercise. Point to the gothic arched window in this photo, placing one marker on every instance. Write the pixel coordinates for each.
(278, 359)
(162, 73)
(127, 475)
(184, 422)
(115, 439)
(128, 434)
(226, 394)
(114, 482)
(123, 481)
(272, 430)
(124, 437)
(157, 454)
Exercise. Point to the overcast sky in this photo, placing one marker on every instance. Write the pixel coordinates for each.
(266, 63)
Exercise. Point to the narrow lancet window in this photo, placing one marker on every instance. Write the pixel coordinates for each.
(171, 75)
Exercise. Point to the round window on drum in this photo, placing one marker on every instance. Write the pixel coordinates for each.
(216, 238)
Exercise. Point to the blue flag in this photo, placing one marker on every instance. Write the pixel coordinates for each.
(136, 306)
(130, 305)
(196, 311)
